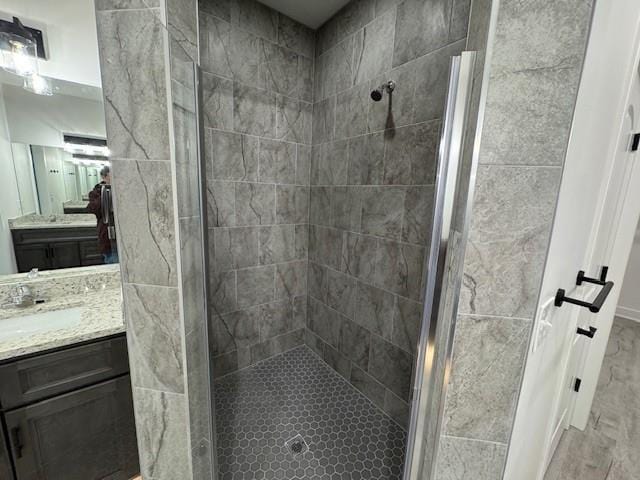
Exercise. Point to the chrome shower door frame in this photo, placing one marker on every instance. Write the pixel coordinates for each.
(434, 347)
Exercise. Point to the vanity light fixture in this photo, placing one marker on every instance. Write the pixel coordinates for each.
(86, 146)
(38, 84)
(18, 49)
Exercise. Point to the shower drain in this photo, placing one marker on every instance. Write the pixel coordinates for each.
(297, 445)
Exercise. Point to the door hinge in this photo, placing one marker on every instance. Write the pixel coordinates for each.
(576, 385)
(635, 142)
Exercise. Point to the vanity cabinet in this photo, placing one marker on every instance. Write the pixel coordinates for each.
(52, 248)
(69, 414)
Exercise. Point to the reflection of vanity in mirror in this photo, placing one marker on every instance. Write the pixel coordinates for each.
(65, 394)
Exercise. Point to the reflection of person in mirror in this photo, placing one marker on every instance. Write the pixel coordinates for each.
(107, 247)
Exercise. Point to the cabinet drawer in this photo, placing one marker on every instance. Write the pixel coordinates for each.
(32, 379)
(52, 235)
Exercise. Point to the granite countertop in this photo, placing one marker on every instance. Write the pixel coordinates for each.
(53, 221)
(101, 316)
(75, 204)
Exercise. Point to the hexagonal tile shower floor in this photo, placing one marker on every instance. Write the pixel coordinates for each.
(261, 408)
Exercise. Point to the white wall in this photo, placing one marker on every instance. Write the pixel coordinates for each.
(25, 179)
(9, 197)
(40, 120)
(629, 303)
(69, 28)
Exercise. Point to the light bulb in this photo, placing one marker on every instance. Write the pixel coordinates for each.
(18, 55)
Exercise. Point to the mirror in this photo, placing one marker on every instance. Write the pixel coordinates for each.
(55, 201)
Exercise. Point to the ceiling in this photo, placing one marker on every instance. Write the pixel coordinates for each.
(313, 13)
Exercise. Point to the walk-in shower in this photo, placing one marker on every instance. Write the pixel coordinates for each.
(331, 230)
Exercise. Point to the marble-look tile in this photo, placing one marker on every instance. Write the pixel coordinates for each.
(292, 204)
(277, 244)
(162, 429)
(222, 292)
(324, 113)
(391, 366)
(329, 163)
(147, 249)
(281, 70)
(411, 154)
(398, 109)
(351, 112)
(277, 162)
(217, 102)
(317, 281)
(201, 453)
(418, 215)
(421, 27)
(459, 19)
(505, 254)
(296, 36)
(254, 111)
(300, 303)
(314, 342)
(303, 165)
(355, 15)
(231, 156)
(217, 8)
(487, 366)
(126, 4)
(256, 285)
(397, 409)
(359, 256)
(407, 319)
(193, 278)
(229, 52)
(255, 17)
(346, 208)
(324, 322)
(182, 24)
(337, 361)
(334, 70)
(237, 330)
(382, 6)
(293, 120)
(277, 345)
(382, 210)
(366, 160)
(354, 342)
(369, 386)
(199, 387)
(221, 204)
(154, 336)
(255, 204)
(320, 206)
(276, 319)
(341, 293)
(224, 364)
(291, 280)
(432, 80)
(458, 457)
(374, 310)
(235, 247)
(301, 233)
(132, 65)
(325, 246)
(399, 268)
(373, 48)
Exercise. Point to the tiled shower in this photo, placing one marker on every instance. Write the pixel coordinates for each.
(320, 199)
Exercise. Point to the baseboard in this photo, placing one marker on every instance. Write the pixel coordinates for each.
(628, 313)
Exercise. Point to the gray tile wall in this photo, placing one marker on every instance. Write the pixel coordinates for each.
(373, 169)
(535, 68)
(258, 89)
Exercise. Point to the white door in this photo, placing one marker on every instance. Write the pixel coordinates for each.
(612, 247)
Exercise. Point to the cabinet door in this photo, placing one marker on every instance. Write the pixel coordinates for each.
(36, 255)
(5, 465)
(89, 253)
(65, 255)
(88, 434)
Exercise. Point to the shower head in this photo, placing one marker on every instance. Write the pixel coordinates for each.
(376, 95)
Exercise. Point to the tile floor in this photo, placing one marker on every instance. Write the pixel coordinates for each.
(609, 448)
(262, 407)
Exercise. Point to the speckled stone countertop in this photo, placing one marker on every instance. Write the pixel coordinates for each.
(75, 204)
(94, 289)
(53, 221)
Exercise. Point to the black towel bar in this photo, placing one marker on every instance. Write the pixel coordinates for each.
(596, 305)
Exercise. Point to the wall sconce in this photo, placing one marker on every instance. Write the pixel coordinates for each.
(18, 49)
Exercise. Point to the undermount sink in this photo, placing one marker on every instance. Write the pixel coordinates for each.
(39, 323)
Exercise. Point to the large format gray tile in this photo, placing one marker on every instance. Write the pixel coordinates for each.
(411, 154)
(277, 162)
(132, 65)
(359, 256)
(391, 366)
(217, 101)
(460, 458)
(255, 204)
(398, 109)
(277, 244)
(354, 342)
(373, 48)
(351, 112)
(341, 293)
(154, 336)
(368, 385)
(235, 247)
(421, 27)
(254, 111)
(236, 330)
(374, 310)
(324, 322)
(147, 249)
(399, 268)
(329, 163)
(291, 280)
(221, 204)
(382, 209)
(256, 285)
(487, 365)
(407, 319)
(292, 204)
(231, 156)
(297, 37)
(255, 17)
(293, 120)
(366, 160)
(507, 246)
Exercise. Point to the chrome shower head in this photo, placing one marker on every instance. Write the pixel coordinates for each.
(376, 95)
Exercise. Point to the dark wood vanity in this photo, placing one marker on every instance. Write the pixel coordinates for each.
(52, 248)
(68, 414)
